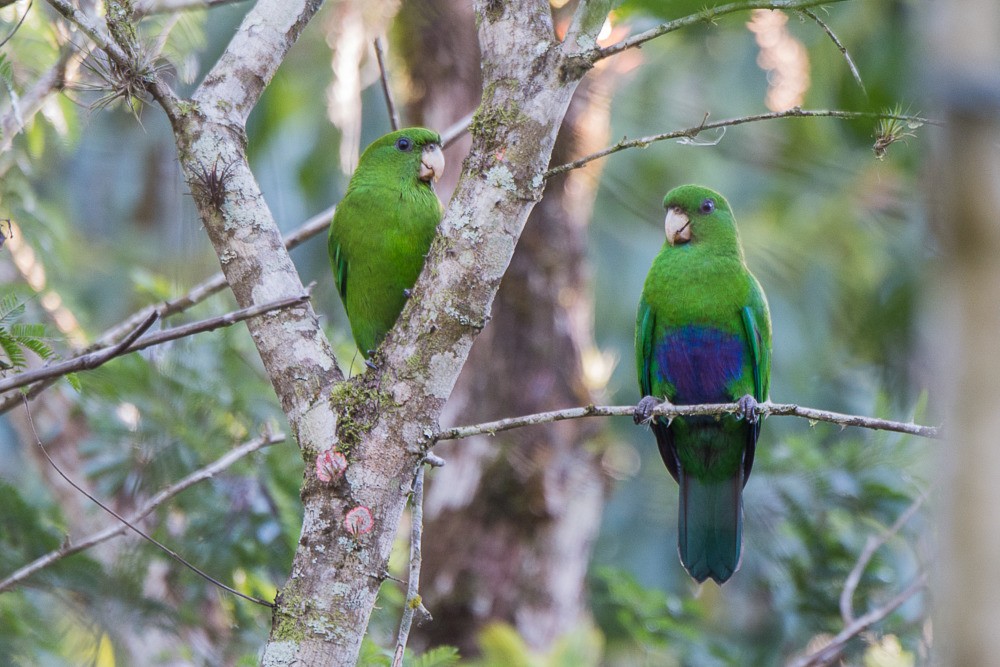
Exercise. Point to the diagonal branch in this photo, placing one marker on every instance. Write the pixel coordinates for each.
(707, 15)
(149, 7)
(872, 545)
(670, 410)
(831, 652)
(311, 227)
(384, 78)
(233, 86)
(132, 343)
(843, 49)
(72, 547)
(692, 132)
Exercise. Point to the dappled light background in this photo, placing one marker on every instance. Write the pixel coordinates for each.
(837, 236)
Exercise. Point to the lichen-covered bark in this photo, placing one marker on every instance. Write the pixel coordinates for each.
(510, 519)
(382, 421)
(326, 604)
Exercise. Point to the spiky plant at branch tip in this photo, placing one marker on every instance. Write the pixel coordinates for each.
(127, 81)
(891, 129)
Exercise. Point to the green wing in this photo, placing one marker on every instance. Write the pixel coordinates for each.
(753, 335)
(339, 264)
(644, 324)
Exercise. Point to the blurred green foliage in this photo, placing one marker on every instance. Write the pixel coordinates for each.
(838, 238)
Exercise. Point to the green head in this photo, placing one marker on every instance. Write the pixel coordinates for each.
(699, 218)
(404, 158)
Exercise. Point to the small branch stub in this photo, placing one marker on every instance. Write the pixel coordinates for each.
(330, 466)
(359, 521)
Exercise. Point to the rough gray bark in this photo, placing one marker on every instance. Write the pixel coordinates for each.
(390, 413)
(511, 519)
(966, 58)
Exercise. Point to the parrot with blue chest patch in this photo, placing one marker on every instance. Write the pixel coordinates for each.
(703, 335)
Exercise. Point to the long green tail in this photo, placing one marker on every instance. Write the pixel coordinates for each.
(710, 529)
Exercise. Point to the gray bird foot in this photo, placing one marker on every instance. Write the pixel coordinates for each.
(369, 363)
(644, 410)
(747, 409)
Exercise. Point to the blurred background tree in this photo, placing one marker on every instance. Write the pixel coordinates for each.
(103, 224)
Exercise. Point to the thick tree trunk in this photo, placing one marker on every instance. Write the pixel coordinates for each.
(966, 60)
(511, 519)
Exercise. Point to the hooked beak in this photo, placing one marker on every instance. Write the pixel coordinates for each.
(431, 163)
(677, 225)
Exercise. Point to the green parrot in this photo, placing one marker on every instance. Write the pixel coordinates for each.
(383, 228)
(703, 335)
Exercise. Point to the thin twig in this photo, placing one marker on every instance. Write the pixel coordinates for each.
(386, 90)
(670, 410)
(165, 549)
(831, 652)
(457, 129)
(70, 548)
(33, 99)
(92, 30)
(872, 544)
(413, 601)
(23, 16)
(150, 7)
(131, 344)
(840, 46)
(692, 132)
(707, 15)
(216, 283)
(311, 227)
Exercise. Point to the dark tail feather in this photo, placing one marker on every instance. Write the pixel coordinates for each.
(710, 529)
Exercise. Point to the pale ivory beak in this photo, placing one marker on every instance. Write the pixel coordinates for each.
(431, 163)
(678, 226)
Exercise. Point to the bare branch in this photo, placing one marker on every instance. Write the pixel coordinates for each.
(670, 410)
(21, 21)
(91, 29)
(130, 344)
(308, 229)
(151, 81)
(150, 7)
(829, 653)
(73, 547)
(162, 547)
(457, 129)
(233, 86)
(707, 15)
(311, 227)
(840, 46)
(384, 78)
(692, 132)
(413, 602)
(872, 545)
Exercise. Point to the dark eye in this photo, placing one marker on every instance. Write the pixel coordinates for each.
(404, 144)
(707, 206)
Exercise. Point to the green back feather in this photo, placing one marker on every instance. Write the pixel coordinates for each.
(381, 233)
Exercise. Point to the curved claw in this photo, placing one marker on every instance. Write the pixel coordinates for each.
(644, 410)
(748, 409)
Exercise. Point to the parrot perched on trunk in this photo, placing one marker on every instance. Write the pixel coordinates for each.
(383, 228)
(703, 335)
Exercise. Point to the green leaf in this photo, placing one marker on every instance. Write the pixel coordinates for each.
(439, 656)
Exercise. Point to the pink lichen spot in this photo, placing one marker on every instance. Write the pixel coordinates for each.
(359, 521)
(330, 466)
